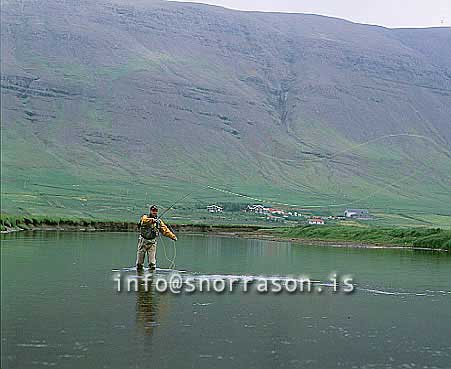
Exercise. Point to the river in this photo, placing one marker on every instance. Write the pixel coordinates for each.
(61, 307)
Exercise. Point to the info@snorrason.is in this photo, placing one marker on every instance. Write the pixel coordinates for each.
(176, 283)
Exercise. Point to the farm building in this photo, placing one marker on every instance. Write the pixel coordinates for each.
(316, 221)
(357, 213)
(214, 209)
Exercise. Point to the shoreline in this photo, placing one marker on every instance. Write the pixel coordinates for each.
(239, 231)
(335, 243)
(129, 227)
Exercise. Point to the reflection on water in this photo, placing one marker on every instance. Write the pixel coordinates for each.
(60, 308)
(146, 305)
(150, 306)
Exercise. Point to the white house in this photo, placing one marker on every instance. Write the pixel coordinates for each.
(257, 209)
(214, 209)
(357, 213)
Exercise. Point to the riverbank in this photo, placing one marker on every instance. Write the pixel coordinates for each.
(11, 224)
(417, 238)
(336, 236)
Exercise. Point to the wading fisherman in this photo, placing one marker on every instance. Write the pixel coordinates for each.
(149, 228)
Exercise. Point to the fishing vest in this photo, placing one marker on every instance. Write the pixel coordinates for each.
(150, 231)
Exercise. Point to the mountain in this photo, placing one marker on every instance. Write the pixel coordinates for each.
(107, 106)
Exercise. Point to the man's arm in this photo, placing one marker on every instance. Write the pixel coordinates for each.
(166, 231)
(145, 219)
(140, 223)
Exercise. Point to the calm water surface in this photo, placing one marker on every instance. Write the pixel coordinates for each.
(60, 308)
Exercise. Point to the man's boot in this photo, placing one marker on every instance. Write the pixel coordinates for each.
(152, 267)
(139, 267)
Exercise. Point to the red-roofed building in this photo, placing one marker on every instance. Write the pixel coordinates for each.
(316, 221)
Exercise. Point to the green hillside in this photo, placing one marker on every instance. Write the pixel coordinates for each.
(110, 106)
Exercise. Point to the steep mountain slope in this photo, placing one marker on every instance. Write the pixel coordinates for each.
(114, 105)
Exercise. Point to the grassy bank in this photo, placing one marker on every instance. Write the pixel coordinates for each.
(17, 223)
(433, 238)
(11, 222)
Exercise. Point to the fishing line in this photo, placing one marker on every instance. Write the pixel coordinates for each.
(171, 261)
(177, 201)
(402, 179)
(267, 201)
